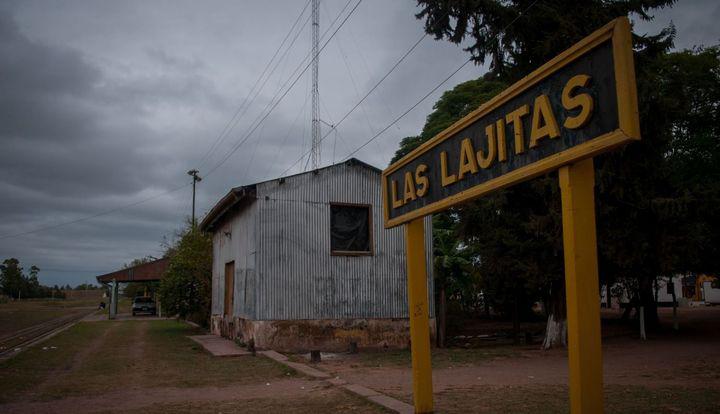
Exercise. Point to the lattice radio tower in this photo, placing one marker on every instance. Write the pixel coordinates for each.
(315, 150)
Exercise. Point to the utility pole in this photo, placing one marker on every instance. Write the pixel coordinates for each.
(315, 93)
(194, 174)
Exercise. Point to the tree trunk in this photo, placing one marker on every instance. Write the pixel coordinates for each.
(643, 336)
(608, 296)
(442, 318)
(628, 309)
(556, 329)
(516, 319)
(676, 326)
(648, 303)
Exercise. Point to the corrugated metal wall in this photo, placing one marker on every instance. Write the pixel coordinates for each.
(298, 278)
(235, 241)
(282, 241)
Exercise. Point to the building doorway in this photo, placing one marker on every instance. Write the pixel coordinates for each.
(229, 288)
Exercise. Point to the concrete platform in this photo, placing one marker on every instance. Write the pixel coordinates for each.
(219, 346)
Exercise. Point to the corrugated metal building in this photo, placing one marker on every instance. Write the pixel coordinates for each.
(304, 262)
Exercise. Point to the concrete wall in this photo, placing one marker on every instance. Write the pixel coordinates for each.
(327, 335)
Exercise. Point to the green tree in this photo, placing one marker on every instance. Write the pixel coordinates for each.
(499, 228)
(139, 261)
(15, 283)
(658, 197)
(134, 289)
(520, 35)
(452, 105)
(453, 276)
(33, 287)
(85, 286)
(691, 89)
(12, 279)
(186, 287)
(451, 268)
(639, 207)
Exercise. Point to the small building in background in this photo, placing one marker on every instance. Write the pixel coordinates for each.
(304, 263)
(148, 272)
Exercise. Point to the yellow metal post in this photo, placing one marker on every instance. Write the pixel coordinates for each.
(577, 183)
(418, 310)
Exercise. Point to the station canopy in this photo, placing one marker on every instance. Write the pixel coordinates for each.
(146, 272)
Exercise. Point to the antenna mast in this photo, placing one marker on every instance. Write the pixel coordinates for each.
(315, 93)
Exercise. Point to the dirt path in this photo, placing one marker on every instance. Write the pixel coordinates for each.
(141, 398)
(72, 365)
(687, 360)
(138, 377)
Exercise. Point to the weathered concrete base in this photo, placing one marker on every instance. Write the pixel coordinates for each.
(330, 335)
(219, 346)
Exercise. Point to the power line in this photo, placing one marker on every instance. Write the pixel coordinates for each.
(245, 138)
(377, 84)
(227, 127)
(92, 216)
(125, 206)
(522, 13)
(287, 135)
(50, 269)
(267, 78)
(408, 110)
(276, 94)
(275, 101)
(280, 89)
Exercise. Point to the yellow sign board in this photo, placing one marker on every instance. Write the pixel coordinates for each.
(579, 104)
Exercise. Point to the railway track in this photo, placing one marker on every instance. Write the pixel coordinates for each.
(13, 344)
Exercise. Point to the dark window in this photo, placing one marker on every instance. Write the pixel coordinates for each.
(350, 229)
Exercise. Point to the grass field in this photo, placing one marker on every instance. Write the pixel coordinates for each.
(102, 356)
(146, 365)
(147, 361)
(17, 315)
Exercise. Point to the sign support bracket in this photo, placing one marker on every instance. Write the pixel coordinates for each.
(418, 311)
(577, 182)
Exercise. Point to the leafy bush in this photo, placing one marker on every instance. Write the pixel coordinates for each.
(186, 287)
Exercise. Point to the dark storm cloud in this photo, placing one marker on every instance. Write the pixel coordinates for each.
(103, 104)
(40, 83)
(61, 120)
(76, 141)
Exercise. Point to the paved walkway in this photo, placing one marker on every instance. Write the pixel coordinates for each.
(219, 346)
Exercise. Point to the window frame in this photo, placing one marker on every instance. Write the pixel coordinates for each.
(371, 232)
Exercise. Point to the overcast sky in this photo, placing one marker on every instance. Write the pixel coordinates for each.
(107, 103)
